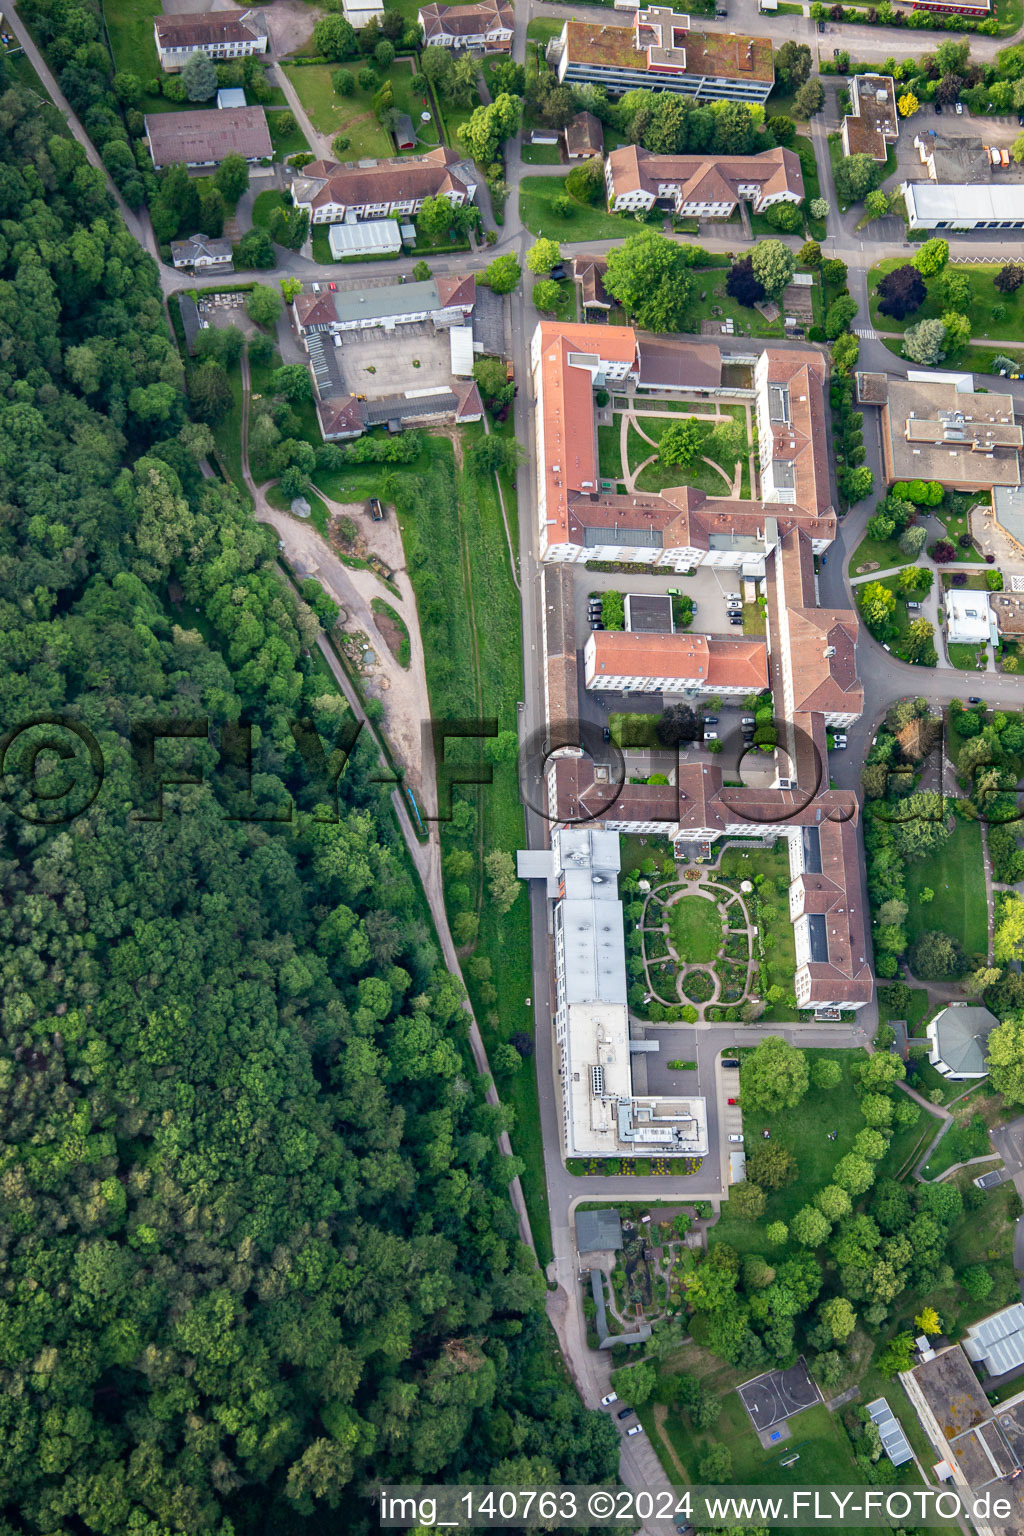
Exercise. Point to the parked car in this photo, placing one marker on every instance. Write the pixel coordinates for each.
(974, 699)
(710, 735)
(733, 597)
(913, 605)
(821, 28)
(748, 720)
(557, 272)
(736, 1136)
(636, 1429)
(735, 618)
(596, 624)
(606, 734)
(730, 1061)
(376, 510)
(624, 1413)
(612, 1397)
(733, 1101)
(959, 109)
(710, 719)
(938, 109)
(840, 746)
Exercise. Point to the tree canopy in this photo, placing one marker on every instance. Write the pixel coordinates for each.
(257, 1248)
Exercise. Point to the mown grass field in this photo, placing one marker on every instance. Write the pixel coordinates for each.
(333, 114)
(956, 873)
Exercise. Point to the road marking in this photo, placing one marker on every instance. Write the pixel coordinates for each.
(865, 333)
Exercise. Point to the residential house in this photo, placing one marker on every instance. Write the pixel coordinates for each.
(201, 254)
(584, 136)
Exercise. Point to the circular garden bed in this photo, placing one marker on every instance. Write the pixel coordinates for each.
(698, 986)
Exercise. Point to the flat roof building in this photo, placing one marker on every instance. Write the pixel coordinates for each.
(936, 429)
(996, 1344)
(601, 1114)
(873, 122)
(205, 138)
(958, 206)
(364, 237)
(659, 52)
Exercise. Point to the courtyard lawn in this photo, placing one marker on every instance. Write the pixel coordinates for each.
(537, 195)
(566, 307)
(657, 475)
(985, 297)
(543, 29)
(609, 453)
(333, 114)
(804, 1132)
(695, 928)
(740, 863)
(955, 872)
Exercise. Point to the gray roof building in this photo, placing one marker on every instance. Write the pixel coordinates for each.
(598, 1231)
(997, 1342)
(204, 137)
(959, 1039)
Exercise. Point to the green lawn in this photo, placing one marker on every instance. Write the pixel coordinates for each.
(609, 452)
(458, 561)
(291, 143)
(264, 205)
(541, 154)
(966, 658)
(227, 435)
(826, 1456)
(332, 114)
(719, 305)
(130, 27)
(543, 29)
(984, 298)
(956, 874)
(901, 618)
(916, 1011)
(695, 928)
(882, 554)
(700, 474)
(804, 1132)
(633, 730)
(566, 309)
(537, 195)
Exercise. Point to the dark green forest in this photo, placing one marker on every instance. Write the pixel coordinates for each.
(256, 1247)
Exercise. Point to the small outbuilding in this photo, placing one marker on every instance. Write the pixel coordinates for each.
(958, 1037)
(598, 1231)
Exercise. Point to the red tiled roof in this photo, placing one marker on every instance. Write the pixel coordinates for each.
(718, 663)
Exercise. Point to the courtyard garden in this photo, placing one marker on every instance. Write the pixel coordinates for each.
(679, 443)
(716, 944)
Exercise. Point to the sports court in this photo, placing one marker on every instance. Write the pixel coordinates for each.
(777, 1395)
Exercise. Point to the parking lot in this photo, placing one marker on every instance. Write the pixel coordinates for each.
(377, 362)
(707, 587)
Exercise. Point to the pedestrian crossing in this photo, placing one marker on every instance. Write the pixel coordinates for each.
(865, 333)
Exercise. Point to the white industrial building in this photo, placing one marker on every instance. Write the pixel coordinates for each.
(997, 1342)
(601, 1115)
(931, 206)
(374, 238)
